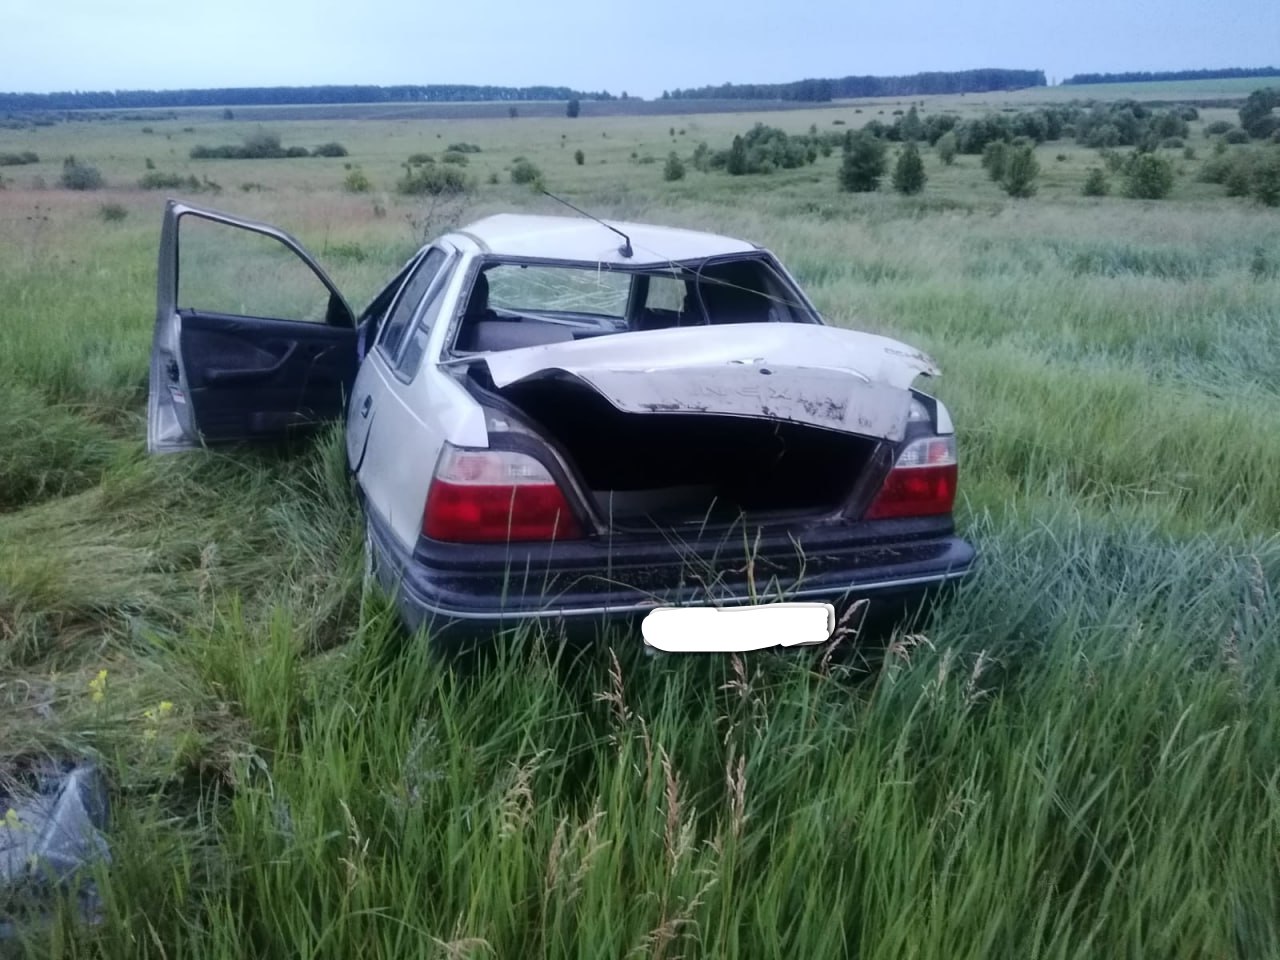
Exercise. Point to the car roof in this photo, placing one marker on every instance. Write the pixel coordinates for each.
(583, 240)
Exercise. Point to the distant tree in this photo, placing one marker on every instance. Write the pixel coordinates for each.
(736, 165)
(1095, 184)
(908, 173)
(910, 127)
(863, 164)
(948, 145)
(1257, 115)
(227, 114)
(1020, 171)
(994, 158)
(1148, 176)
(674, 169)
(512, 112)
(573, 108)
(579, 157)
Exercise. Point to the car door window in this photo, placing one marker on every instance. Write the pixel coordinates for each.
(234, 271)
(416, 343)
(393, 330)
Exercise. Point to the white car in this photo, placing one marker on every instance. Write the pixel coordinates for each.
(559, 417)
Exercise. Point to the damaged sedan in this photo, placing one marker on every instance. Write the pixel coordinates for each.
(558, 417)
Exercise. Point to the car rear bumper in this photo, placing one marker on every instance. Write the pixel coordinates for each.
(501, 585)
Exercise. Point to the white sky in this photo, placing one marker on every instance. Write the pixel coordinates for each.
(638, 47)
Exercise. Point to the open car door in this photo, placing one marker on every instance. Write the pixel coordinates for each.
(252, 339)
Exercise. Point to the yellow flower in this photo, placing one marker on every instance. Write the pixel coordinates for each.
(159, 712)
(12, 820)
(98, 687)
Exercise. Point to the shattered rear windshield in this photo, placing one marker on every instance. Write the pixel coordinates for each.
(515, 304)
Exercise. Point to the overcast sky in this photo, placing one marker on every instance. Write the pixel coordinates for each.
(640, 47)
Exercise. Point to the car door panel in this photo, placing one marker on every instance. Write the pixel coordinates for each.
(256, 373)
(250, 378)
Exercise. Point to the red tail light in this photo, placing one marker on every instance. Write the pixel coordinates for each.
(922, 482)
(488, 496)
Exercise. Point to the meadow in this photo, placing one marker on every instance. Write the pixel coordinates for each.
(1078, 756)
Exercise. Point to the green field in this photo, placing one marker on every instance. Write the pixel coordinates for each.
(1078, 757)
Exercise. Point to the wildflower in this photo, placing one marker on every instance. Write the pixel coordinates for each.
(98, 687)
(159, 712)
(12, 820)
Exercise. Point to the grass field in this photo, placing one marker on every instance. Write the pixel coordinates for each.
(1077, 757)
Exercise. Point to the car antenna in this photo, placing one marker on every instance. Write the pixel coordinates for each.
(625, 249)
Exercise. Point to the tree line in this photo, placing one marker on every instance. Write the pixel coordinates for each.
(273, 96)
(916, 84)
(1146, 76)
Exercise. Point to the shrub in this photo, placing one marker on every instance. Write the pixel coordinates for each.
(1148, 177)
(1172, 143)
(457, 159)
(156, 180)
(1238, 178)
(863, 164)
(579, 157)
(18, 159)
(1020, 171)
(1095, 184)
(1266, 178)
(994, 158)
(674, 168)
(418, 159)
(948, 145)
(112, 212)
(262, 143)
(572, 108)
(297, 152)
(332, 149)
(433, 180)
(1236, 136)
(522, 171)
(356, 182)
(79, 176)
(908, 173)
(1188, 153)
(463, 148)
(493, 178)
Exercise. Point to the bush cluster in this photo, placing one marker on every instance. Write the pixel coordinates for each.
(763, 149)
(264, 145)
(432, 179)
(157, 180)
(77, 175)
(525, 172)
(463, 148)
(18, 159)
(1247, 173)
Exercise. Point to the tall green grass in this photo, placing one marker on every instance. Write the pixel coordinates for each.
(1076, 756)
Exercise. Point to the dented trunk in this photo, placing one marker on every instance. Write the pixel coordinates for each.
(705, 426)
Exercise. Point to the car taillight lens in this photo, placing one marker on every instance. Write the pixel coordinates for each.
(488, 496)
(922, 482)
